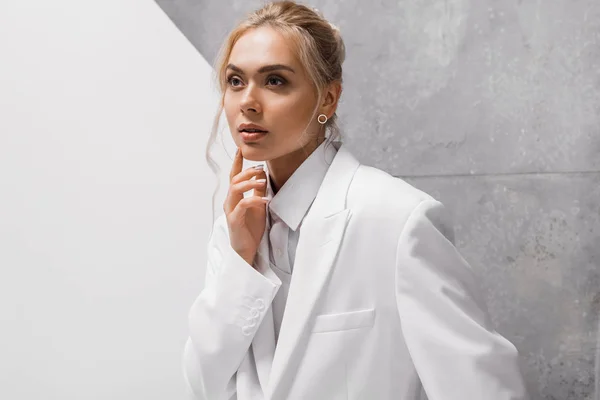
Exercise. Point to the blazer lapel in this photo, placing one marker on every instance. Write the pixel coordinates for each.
(321, 234)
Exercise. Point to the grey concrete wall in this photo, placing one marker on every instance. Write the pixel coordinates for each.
(494, 108)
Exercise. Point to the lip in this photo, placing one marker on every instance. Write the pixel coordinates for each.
(251, 126)
(251, 136)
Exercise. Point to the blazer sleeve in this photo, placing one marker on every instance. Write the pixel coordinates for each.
(456, 352)
(223, 320)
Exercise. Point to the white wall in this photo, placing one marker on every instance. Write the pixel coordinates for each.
(105, 110)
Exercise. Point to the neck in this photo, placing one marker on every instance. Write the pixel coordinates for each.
(280, 169)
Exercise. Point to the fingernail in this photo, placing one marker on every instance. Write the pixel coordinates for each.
(259, 166)
(237, 151)
(261, 180)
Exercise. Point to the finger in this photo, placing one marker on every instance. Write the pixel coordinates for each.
(248, 173)
(240, 209)
(237, 190)
(236, 168)
(261, 191)
(245, 186)
(238, 162)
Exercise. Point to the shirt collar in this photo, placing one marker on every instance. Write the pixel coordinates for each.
(294, 198)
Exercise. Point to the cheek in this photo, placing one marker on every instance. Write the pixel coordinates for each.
(231, 109)
(228, 104)
(294, 111)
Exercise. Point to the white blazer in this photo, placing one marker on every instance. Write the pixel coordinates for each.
(381, 306)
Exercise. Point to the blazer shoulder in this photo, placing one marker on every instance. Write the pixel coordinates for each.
(374, 187)
(389, 202)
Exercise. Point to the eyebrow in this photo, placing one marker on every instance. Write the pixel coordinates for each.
(266, 68)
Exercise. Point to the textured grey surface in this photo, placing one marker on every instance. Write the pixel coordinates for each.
(534, 240)
(494, 108)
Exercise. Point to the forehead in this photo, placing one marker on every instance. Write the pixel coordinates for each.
(262, 46)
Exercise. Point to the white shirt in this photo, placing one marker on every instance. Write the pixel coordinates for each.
(286, 211)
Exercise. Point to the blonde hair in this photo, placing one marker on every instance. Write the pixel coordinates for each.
(317, 42)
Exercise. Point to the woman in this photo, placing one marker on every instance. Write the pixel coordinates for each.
(381, 305)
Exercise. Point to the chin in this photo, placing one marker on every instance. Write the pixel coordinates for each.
(253, 152)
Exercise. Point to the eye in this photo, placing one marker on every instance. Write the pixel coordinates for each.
(274, 79)
(232, 80)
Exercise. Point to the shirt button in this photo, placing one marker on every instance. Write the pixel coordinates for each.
(278, 252)
(247, 330)
(260, 304)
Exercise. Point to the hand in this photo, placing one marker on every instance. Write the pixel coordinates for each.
(245, 216)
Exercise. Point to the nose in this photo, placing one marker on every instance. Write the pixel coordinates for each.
(249, 102)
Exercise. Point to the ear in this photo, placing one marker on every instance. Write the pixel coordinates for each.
(331, 96)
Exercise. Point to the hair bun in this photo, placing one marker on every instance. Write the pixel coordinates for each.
(334, 27)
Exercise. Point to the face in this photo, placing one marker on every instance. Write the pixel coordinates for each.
(267, 86)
